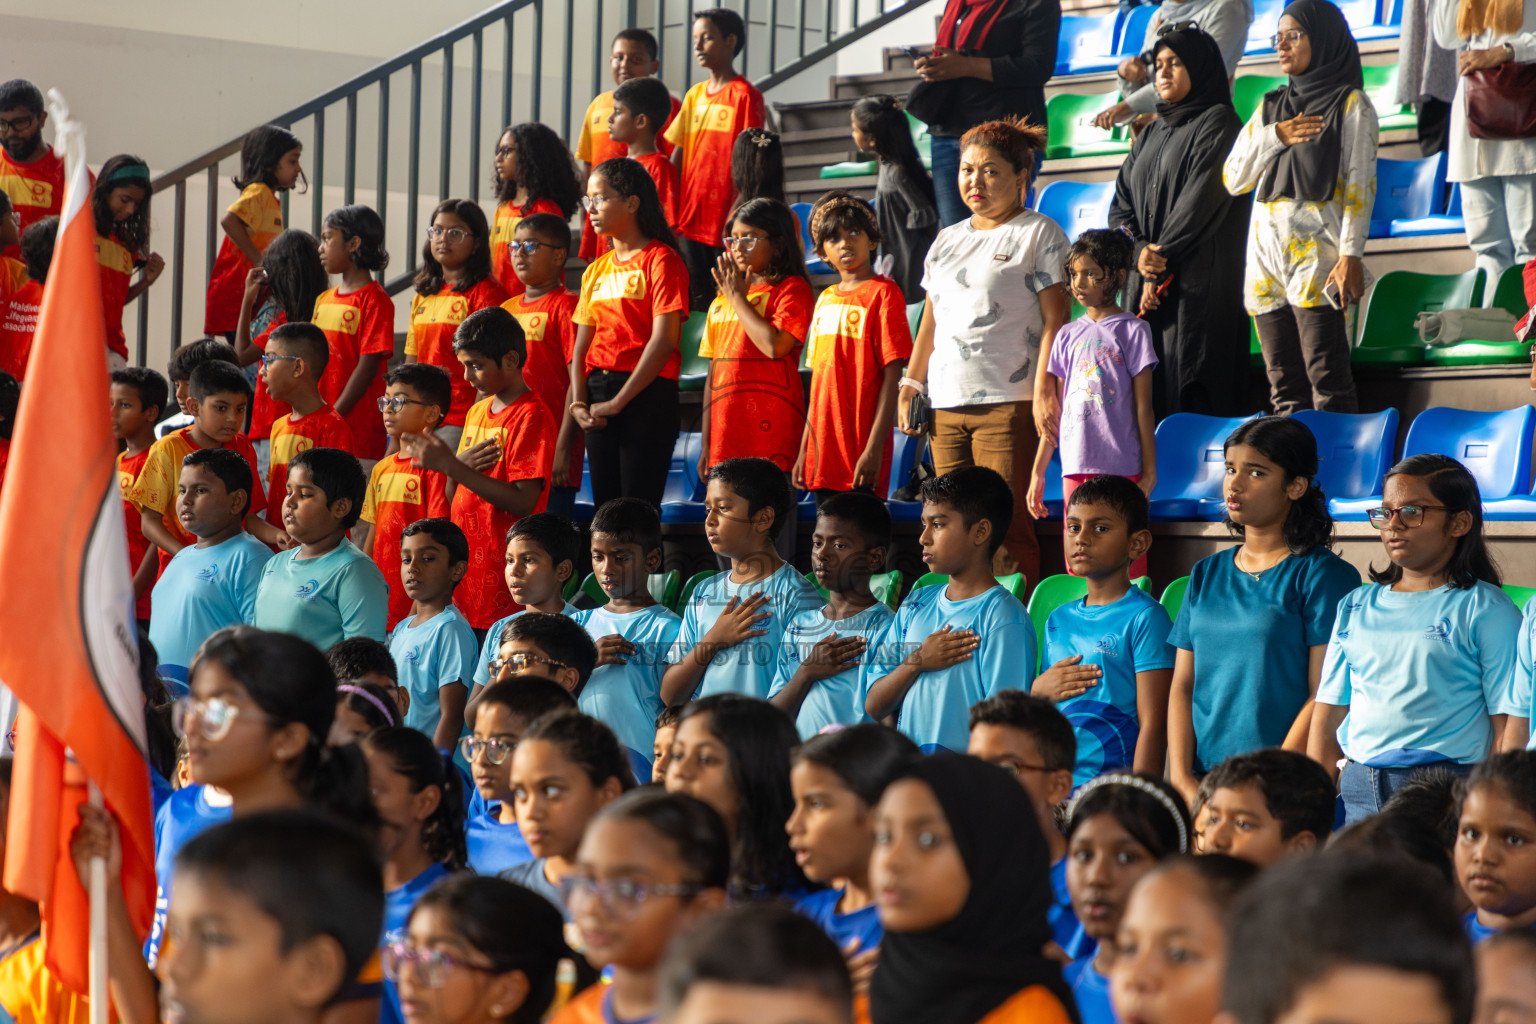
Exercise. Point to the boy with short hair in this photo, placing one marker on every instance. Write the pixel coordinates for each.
(547, 645)
(704, 131)
(491, 347)
(507, 710)
(953, 643)
(292, 365)
(1266, 806)
(1030, 738)
(661, 746)
(138, 395)
(416, 397)
(184, 360)
(361, 659)
(18, 322)
(322, 589)
(820, 672)
(642, 107)
(735, 620)
(1349, 938)
(540, 243)
(218, 396)
(541, 552)
(212, 583)
(632, 631)
(434, 648)
(1110, 661)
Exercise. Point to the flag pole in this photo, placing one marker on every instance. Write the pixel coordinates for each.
(99, 998)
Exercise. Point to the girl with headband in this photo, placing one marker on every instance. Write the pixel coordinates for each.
(361, 708)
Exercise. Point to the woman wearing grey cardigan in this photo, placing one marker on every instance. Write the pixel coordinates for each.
(1225, 21)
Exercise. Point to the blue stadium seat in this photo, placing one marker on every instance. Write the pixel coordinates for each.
(1367, 20)
(1406, 190)
(1448, 223)
(813, 263)
(1266, 21)
(1518, 508)
(683, 499)
(1077, 206)
(1086, 44)
(586, 506)
(1494, 446)
(1053, 501)
(1190, 464)
(1132, 30)
(1354, 451)
(906, 452)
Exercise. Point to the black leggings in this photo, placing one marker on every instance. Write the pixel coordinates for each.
(1306, 355)
(630, 457)
(701, 261)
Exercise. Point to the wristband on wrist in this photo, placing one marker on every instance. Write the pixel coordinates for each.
(914, 384)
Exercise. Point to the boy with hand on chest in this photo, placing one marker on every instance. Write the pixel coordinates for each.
(735, 620)
(434, 648)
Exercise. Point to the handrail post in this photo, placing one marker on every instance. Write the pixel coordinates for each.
(413, 169)
(537, 111)
(506, 71)
(317, 200)
(476, 74)
(349, 168)
(445, 137)
(179, 261)
(383, 169)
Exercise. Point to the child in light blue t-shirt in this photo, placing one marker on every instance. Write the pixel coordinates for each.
(323, 589)
(952, 644)
(820, 678)
(735, 621)
(1422, 663)
(1525, 674)
(210, 584)
(434, 646)
(633, 633)
(1109, 657)
(541, 556)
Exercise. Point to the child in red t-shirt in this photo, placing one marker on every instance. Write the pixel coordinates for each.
(544, 310)
(18, 318)
(454, 281)
(292, 367)
(120, 207)
(269, 164)
(358, 319)
(491, 349)
(859, 341)
(138, 396)
(283, 290)
(714, 112)
(624, 362)
(641, 107)
(534, 174)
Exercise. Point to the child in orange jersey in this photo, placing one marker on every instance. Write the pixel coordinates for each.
(454, 281)
(358, 319)
(491, 348)
(292, 367)
(859, 342)
(120, 207)
(534, 174)
(138, 398)
(18, 320)
(641, 107)
(625, 360)
(13, 272)
(714, 112)
(754, 405)
(544, 310)
(269, 164)
(399, 491)
(281, 291)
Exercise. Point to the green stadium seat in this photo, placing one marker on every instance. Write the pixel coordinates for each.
(662, 585)
(849, 169)
(1381, 87)
(1248, 92)
(1054, 591)
(1387, 333)
(886, 586)
(1520, 595)
(1509, 295)
(1014, 583)
(914, 316)
(690, 587)
(1071, 132)
(922, 140)
(693, 371)
(572, 586)
(1173, 596)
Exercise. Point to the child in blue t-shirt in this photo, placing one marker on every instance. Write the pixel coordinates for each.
(1498, 877)
(633, 632)
(541, 556)
(1525, 682)
(211, 584)
(434, 646)
(820, 674)
(1109, 655)
(323, 589)
(735, 620)
(1029, 737)
(953, 643)
(1423, 662)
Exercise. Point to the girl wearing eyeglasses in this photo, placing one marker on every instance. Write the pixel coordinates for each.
(533, 173)
(1423, 662)
(482, 950)
(454, 281)
(652, 865)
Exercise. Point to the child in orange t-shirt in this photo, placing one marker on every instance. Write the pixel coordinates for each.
(18, 319)
(138, 396)
(359, 324)
(283, 290)
(13, 272)
(534, 174)
(454, 281)
(641, 107)
(120, 207)
(544, 310)
(859, 341)
(269, 164)
(491, 348)
(625, 360)
(293, 366)
(714, 112)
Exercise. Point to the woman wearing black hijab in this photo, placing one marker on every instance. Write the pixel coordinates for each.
(1189, 232)
(1310, 151)
(962, 875)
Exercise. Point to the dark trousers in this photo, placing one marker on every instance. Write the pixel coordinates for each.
(629, 457)
(701, 261)
(1306, 355)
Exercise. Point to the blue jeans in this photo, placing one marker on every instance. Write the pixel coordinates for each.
(946, 181)
(1365, 789)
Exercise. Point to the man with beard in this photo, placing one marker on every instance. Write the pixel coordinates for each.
(31, 173)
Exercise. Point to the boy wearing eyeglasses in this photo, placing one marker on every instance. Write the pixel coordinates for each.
(553, 646)
(416, 397)
(539, 246)
(292, 365)
(434, 648)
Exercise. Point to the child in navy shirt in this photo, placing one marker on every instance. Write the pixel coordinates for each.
(953, 643)
(1109, 655)
(434, 647)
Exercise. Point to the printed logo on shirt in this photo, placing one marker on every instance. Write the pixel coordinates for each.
(209, 574)
(27, 191)
(413, 655)
(710, 117)
(619, 284)
(308, 590)
(1440, 631)
(404, 487)
(113, 256)
(1109, 644)
(533, 324)
(832, 318)
(333, 316)
(286, 446)
(124, 482)
(443, 309)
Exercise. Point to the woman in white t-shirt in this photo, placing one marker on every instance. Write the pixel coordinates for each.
(996, 299)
